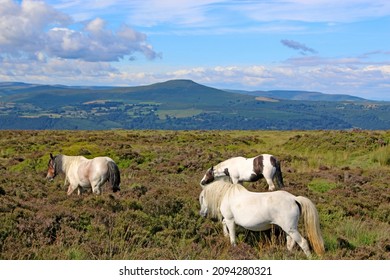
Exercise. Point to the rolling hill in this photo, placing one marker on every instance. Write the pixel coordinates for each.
(171, 92)
(302, 95)
(186, 89)
(182, 104)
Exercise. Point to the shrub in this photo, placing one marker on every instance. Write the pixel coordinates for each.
(156, 213)
(382, 156)
(321, 185)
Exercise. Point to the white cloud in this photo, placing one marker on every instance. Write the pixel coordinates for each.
(97, 43)
(22, 26)
(315, 10)
(34, 26)
(228, 15)
(56, 70)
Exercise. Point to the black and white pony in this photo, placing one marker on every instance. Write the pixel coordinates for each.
(241, 169)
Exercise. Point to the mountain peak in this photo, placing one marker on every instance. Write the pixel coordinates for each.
(177, 83)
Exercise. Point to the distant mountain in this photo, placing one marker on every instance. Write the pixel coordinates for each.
(182, 104)
(179, 91)
(171, 91)
(301, 95)
(176, 89)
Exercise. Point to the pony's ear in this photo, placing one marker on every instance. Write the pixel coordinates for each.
(212, 168)
(51, 156)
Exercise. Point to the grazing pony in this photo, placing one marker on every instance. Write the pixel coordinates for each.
(234, 204)
(82, 173)
(241, 169)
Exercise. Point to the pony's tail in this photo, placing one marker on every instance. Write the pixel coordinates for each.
(312, 224)
(278, 175)
(114, 177)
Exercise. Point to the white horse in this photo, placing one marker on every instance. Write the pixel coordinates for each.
(82, 173)
(241, 169)
(234, 204)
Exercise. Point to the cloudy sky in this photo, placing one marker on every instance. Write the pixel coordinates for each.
(331, 46)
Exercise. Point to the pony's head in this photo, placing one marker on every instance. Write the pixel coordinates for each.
(52, 167)
(213, 174)
(211, 197)
(208, 177)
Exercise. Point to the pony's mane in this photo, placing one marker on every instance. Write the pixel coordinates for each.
(58, 164)
(215, 192)
(63, 162)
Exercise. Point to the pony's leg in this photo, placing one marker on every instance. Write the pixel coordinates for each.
(225, 229)
(232, 231)
(270, 183)
(80, 190)
(302, 242)
(290, 243)
(268, 174)
(96, 189)
(97, 185)
(70, 189)
(65, 182)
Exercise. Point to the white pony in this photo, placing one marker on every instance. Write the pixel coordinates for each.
(241, 169)
(83, 173)
(234, 204)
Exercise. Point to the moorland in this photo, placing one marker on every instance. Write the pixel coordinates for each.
(156, 213)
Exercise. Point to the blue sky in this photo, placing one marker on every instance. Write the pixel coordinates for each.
(335, 47)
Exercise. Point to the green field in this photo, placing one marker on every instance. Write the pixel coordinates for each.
(163, 114)
(156, 213)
